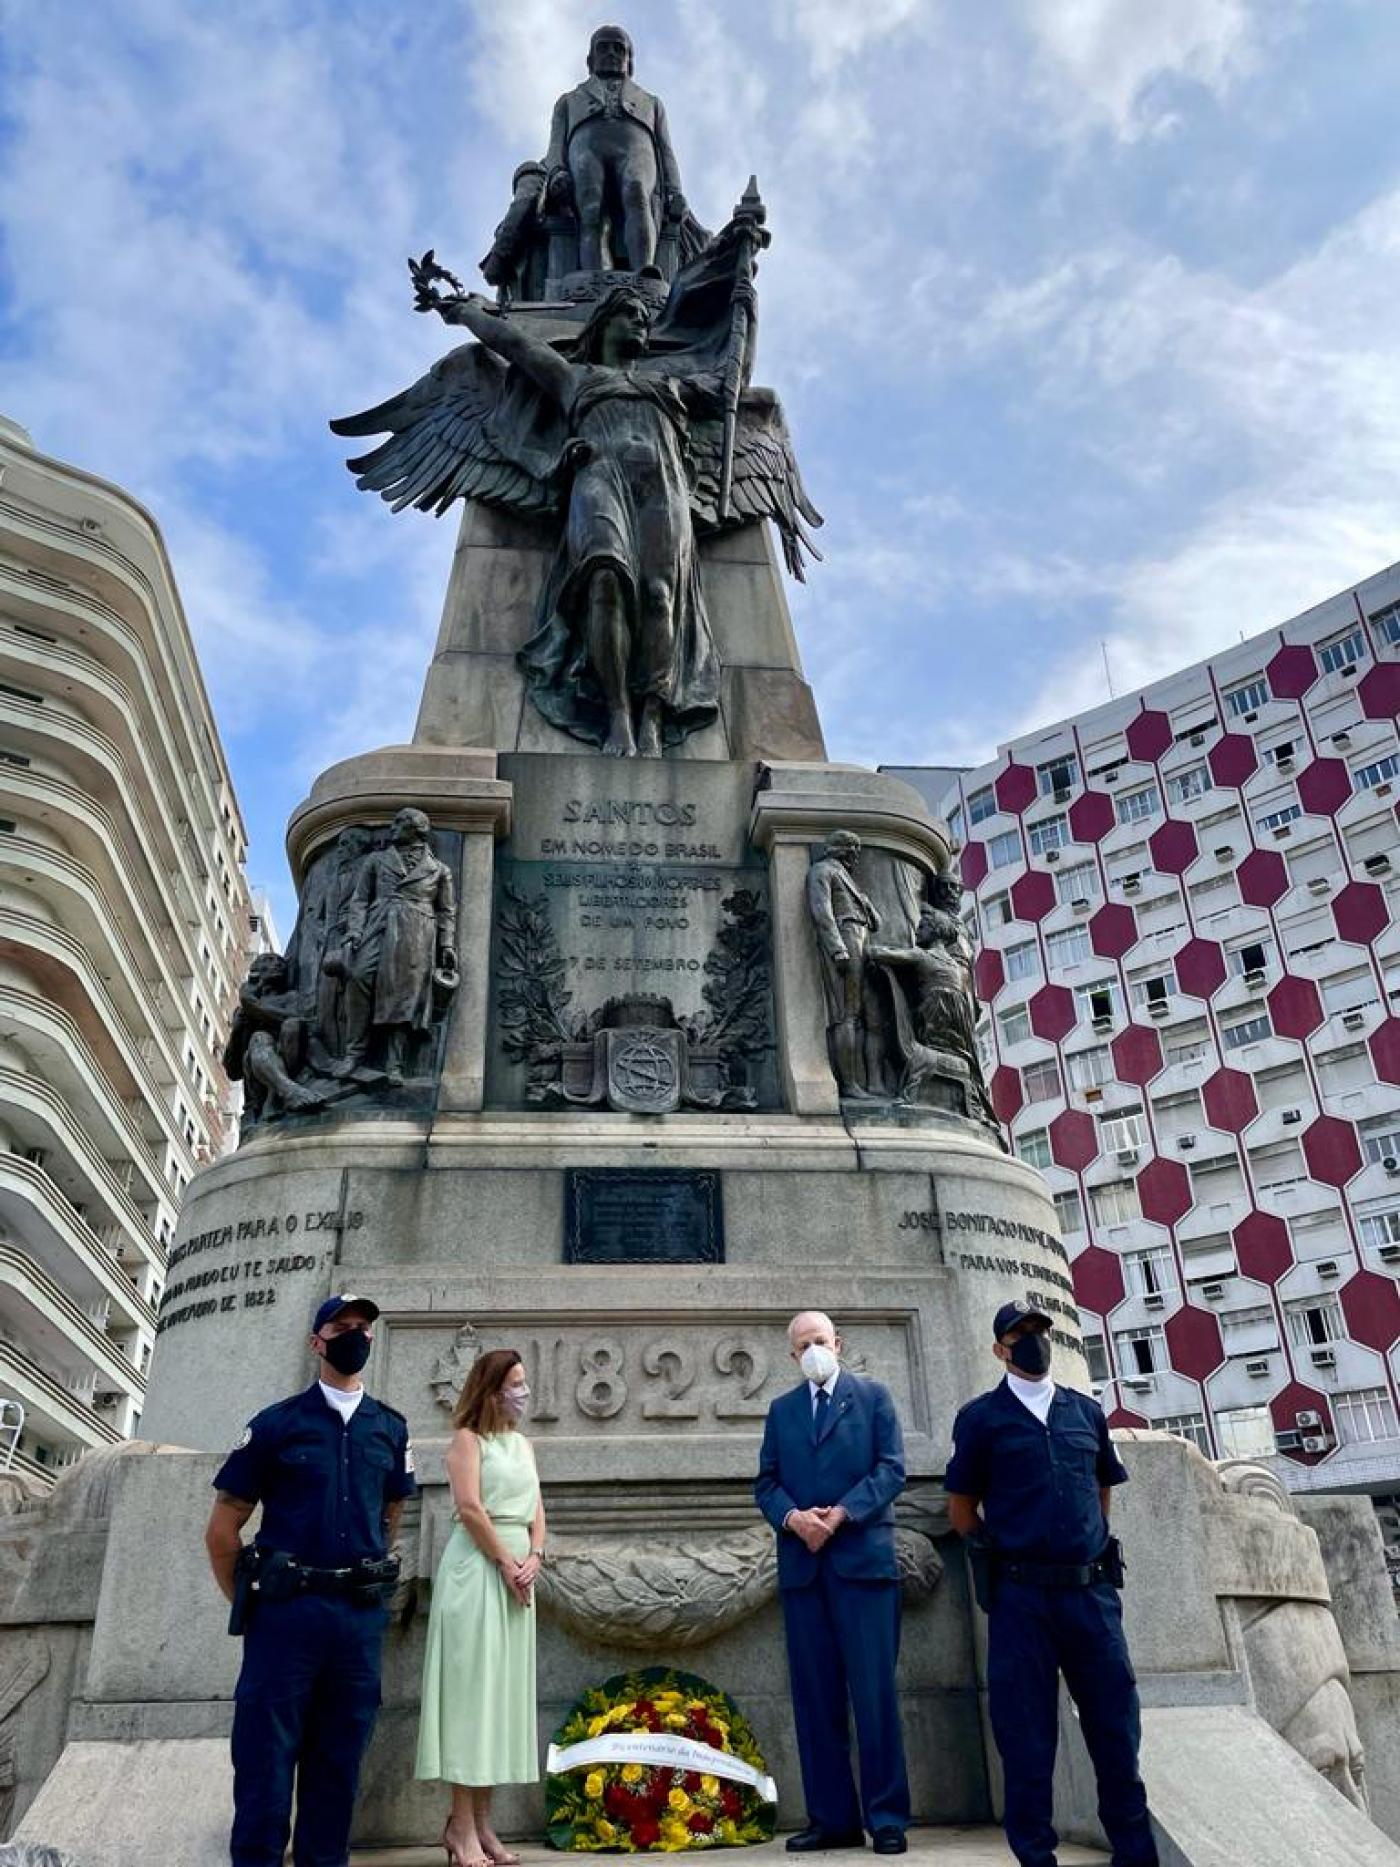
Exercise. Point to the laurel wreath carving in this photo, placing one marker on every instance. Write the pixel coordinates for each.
(683, 1594)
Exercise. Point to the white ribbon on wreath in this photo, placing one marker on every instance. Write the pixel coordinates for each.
(660, 1749)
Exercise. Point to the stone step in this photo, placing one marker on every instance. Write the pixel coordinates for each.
(930, 1847)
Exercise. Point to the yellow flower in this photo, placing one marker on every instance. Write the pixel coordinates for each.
(710, 1785)
(593, 1785)
(727, 1832)
(679, 1801)
(619, 1714)
(597, 1726)
(674, 1836)
(606, 1831)
(632, 1772)
(676, 1719)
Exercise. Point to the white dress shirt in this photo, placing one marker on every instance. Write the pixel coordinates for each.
(825, 1387)
(1035, 1395)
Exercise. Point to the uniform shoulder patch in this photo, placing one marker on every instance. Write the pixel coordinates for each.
(245, 1438)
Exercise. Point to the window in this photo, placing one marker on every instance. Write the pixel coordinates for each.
(1081, 883)
(1246, 1433)
(1135, 806)
(1350, 991)
(1068, 948)
(1253, 956)
(1150, 1273)
(1069, 1209)
(1096, 1355)
(1022, 962)
(1251, 1031)
(1189, 1426)
(1311, 1325)
(1152, 991)
(1343, 651)
(955, 822)
(1381, 1228)
(1041, 1080)
(1060, 774)
(996, 910)
(1248, 697)
(1386, 623)
(1142, 1351)
(1099, 1000)
(981, 805)
(1279, 1166)
(1125, 1128)
(1381, 1139)
(1276, 819)
(1192, 1050)
(1366, 777)
(1281, 753)
(1005, 849)
(1034, 1148)
(1049, 833)
(1014, 1025)
(1249, 1331)
(1192, 781)
(1208, 1260)
(1116, 1203)
(1089, 1068)
(1364, 1415)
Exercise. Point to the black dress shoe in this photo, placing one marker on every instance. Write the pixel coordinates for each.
(819, 1840)
(889, 1841)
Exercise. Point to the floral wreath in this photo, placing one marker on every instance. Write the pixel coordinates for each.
(604, 1795)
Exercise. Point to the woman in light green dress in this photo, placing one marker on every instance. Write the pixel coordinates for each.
(478, 1717)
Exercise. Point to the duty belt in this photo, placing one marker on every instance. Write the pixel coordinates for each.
(1103, 1568)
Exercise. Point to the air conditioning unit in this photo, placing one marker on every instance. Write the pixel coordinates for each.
(1289, 1442)
(1259, 1366)
(1186, 1142)
(1052, 855)
(1309, 1417)
(1353, 1020)
(1250, 718)
(1080, 904)
(1319, 885)
(1139, 1383)
(1103, 1022)
(1390, 1254)
(1127, 1156)
(1158, 1008)
(1284, 761)
(1328, 1267)
(1061, 793)
(1347, 671)
(1342, 738)
(1110, 777)
(1317, 1442)
(1383, 789)
(1225, 852)
(1213, 1293)
(1281, 830)
(1391, 1164)
(1324, 1358)
(1377, 865)
(1198, 739)
(1255, 976)
(1132, 884)
(1291, 1117)
(1093, 1095)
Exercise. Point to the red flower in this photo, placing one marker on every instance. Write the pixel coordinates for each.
(700, 1823)
(617, 1800)
(729, 1802)
(691, 1781)
(646, 1832)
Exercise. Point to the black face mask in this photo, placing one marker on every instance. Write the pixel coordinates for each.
(1030, 1355)
(348, 1353)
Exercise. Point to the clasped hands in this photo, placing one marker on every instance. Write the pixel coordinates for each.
(817, 1526)
(519, 1577)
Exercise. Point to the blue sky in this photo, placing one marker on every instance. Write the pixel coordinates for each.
(1084, 312)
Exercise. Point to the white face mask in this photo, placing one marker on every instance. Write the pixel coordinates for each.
(818, 1363)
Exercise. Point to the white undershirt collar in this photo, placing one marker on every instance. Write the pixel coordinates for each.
(1036, 1396)
(344, 1400)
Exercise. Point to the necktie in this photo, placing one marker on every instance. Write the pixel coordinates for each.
(819, 1417)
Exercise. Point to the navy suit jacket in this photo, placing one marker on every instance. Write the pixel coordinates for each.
(858, 1463)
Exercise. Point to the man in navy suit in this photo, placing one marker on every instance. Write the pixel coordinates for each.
(831, 1467)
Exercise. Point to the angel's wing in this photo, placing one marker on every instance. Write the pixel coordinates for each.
(445, 441)
(767, 483)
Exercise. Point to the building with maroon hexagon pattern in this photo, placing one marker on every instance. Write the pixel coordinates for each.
(1194, 939)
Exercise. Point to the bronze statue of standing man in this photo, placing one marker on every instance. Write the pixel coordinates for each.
(610, 149)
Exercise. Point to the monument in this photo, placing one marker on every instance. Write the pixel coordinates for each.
(617, 1024)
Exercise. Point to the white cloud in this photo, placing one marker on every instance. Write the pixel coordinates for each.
(1114, 53)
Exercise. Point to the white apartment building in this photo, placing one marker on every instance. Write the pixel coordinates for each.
(1187, 910)
(124, 927)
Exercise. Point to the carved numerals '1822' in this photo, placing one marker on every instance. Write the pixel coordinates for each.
(673, 1369)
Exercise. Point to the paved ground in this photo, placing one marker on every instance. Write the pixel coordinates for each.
(928, 1847)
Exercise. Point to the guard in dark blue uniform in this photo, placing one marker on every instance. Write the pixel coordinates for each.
(331, 1468)
(1028, 1484)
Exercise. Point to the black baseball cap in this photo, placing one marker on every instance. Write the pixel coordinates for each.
(337, 1306)
(1010, 1314)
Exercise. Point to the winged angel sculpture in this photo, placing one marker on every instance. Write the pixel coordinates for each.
(633, 436)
